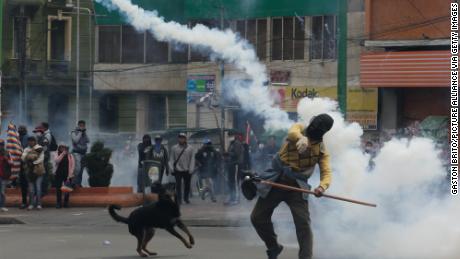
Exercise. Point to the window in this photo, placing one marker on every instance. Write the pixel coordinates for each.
(177, 110)
(201, 54)
(108, 113)
(157, 112)
(127, 112)
(157, 52)
(262, 39)
(288, 38)
(59, 38)
(323, 45)
(179, 53)
(255, 32)
(109, 44)
(277, 39)
(132, 43)
(20, 36)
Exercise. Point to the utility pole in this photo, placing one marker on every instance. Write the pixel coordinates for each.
(222, 73)
(342, 56)
(77, 76)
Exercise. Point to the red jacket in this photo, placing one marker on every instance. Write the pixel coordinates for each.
(5, 167)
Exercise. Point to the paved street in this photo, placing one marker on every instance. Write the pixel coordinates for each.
(84, 232)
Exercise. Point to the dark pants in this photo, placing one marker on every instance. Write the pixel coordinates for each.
(59, 195)
(24, 187)
(234, 176)
(186, 178)
(263, 211)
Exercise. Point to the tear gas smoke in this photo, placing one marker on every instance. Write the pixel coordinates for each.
(411, 220)
(226, 45)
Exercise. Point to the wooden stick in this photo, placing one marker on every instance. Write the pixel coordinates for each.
(291, 188)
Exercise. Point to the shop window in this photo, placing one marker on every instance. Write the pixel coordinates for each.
(323, 45)
(157, 112)
(59, 38)
(109, 44)
(277, 39)
(132, 43)
(157, 52)
(108, 113)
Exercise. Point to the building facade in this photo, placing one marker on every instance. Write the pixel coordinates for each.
(150, 86)
(408, 59)
(39, 62)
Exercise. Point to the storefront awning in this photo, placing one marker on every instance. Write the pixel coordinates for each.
(406, 69)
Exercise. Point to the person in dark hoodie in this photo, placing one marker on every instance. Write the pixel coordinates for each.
(293, 165)
(208, 160)
(160, 155)
(145, 152)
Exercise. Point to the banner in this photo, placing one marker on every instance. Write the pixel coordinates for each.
(362, 103)
(198, 86)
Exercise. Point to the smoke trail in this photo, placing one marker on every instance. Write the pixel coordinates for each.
(225, 44)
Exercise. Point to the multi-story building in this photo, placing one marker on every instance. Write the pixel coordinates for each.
(408, 59)
(39, 62)
(142, 83)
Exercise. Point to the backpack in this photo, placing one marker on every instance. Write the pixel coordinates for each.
(53, 145)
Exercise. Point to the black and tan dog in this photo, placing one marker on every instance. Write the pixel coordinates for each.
(163, 214)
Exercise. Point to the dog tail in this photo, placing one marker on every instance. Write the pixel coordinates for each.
(115, 216)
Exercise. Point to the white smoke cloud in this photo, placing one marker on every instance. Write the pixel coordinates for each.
(412, 220)
(225, 44)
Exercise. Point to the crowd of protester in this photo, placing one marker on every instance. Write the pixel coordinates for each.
(43, 164)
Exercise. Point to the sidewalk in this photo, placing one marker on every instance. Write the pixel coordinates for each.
(199, 214)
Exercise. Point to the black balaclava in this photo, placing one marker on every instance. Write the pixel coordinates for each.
(319, 125)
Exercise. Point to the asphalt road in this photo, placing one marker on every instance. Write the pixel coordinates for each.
(113, 241)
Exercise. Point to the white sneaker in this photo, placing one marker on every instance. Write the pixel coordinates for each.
(31, 207)
(4, 209)
(39, 207)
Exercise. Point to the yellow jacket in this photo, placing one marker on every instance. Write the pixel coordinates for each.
(305, 163)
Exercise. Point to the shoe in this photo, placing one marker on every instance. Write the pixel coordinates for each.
(30, 207)
(23, 206)
(187, 202)
(58, 206)
(4, 209)
(66, 205)
(273, 253)
(213, 199)
(39, 207)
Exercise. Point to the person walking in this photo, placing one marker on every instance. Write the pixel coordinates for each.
(5, 173)
(64, 166)
(208, 160)
(293, 165)
(33, 157)
(182, 163)
(80, 141)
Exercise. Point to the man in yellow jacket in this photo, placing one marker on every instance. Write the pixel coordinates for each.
(293, 165)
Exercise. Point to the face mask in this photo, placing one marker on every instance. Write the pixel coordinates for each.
(318, 126)
(38, 134)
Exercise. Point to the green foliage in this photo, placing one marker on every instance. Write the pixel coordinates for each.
(100, 171)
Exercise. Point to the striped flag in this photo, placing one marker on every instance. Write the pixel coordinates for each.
(14, 148)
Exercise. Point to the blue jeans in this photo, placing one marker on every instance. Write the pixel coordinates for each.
(35, 191)
(78, 173)
(2, 192)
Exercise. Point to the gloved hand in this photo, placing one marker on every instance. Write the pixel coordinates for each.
(302, 144)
